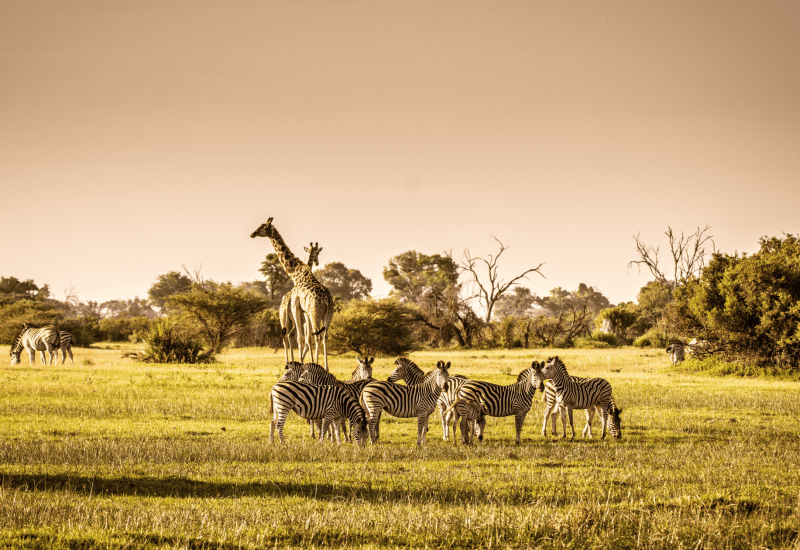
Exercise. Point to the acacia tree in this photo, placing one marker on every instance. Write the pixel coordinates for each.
(220, 309)
(491, 288)
(347, 284)
(688, 254)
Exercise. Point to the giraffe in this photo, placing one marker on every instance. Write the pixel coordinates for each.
(290, 310)
(314, 298)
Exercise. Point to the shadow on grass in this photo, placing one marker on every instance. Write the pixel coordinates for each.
(180, 487)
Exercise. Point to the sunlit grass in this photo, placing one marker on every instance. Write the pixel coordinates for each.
(111, 453)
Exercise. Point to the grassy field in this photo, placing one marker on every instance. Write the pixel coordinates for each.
(113, 454)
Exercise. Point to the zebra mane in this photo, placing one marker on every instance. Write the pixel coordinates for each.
(16, 346)
(316, 374)
(412, 371)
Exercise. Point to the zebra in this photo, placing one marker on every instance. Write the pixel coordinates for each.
(447, 398)
(293, 371)
(47, 338)
(329, 403)
(676, 353)
(65, 347)
(593, 393)
(496, 400)
(550, 399)
(404, 401)
(316, 375)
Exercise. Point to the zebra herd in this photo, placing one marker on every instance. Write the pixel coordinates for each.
(316, 395)
(43, 339)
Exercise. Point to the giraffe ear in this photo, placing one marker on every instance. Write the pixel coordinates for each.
(306, 249)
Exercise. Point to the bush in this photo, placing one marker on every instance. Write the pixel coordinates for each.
(642, 342)
(586, 342)
(165, 343)
(606, 337)
(122, 329)
(13, 316)
(263, 331)
(372, 327)
(746, 308)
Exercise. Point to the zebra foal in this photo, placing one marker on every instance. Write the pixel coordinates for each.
(592, 393)
(404, 401)
(35, 339)
(329, 403)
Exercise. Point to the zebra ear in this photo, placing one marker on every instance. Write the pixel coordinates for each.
(447, 366)
(371, 360)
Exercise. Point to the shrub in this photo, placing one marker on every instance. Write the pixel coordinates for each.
(165, 343)
(13, 316)
(372, 327)
(263, 331)
(606, 337)
(587, 342)
(642, 342)
(121, 329)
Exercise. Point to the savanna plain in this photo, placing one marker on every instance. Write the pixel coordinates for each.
(109, 453)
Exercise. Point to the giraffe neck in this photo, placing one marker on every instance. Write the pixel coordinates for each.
(292, 265)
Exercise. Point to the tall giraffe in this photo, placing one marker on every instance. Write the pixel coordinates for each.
(290, 311)
(315, 300)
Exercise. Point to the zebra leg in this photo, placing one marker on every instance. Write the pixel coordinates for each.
(588, 428)
(547, 408)
(44, 358)
(571, 425)
(457, 421)
(519, 419)
(422, 428)
(69, 350)
(374, 418)
(445, 422)
(604, 418)
(554, 421)
(32, 355)
(466, 433)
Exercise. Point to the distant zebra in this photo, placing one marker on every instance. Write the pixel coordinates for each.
(593, 393)
(404, 401)
(363, 370)
(35, 339)
(496, 400)
(329, 403)
(65, 348)
(676, 353)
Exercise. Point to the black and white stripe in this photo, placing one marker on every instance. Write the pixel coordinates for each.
(65, 348)
(412, 401)
(448, 397)
(593, 393)
(293, 371)
(35, 339)
(676, 353)
(496, 400)
(329, 403)
(551, 407)
(409, 372)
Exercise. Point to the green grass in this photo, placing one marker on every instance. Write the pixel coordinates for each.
(116, 454)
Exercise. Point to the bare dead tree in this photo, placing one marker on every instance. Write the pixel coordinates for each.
(71, 296)
(688, 255)
(489, 292)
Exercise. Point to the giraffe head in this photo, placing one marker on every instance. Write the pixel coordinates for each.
(264, 230)
(313, 250)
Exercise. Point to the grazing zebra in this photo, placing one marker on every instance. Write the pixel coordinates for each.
(676, 353)
(592, 393)
(496, 400)
(35, 339)
(65, 347)
(404, 401)
(318, 376)
(329, 403)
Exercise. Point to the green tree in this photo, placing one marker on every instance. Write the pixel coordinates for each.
(373, 327)
(12, 290)
(278, 282)
(34, 312)
(518, 302)
(745, 308)
(413, 274)
(347, 284)
(220, 309)
(167, 285)
(623, 317)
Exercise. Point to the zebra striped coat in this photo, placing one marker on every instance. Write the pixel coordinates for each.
(329, 403)
(64, 348)
(593, 393)
(474, 418)
(496, 400)
(318, 376)
(404, 401)
(35, 339)
(676, 353)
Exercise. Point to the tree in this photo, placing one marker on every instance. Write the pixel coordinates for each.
(370, 327)
(623, 317)
(493, 287)
(347, 284)
(34, 312)
(220, 309)
(167, 285)
(688, 256)
(518, 302)
(12, 290)
(652, 302)
(745, 308)
(413, 274)
(127, 308)
(278, 282)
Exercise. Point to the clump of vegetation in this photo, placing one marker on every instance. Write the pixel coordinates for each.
(745, 309)
(373, 327)
(165, 343)
(653, 338)
(598, 340)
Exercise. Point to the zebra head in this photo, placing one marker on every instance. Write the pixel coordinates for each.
(264, 230)
(615, 426)
(293, 371)
(364, 370)
(442, 373)
(403, 369)
(358, 431)
(15, 358)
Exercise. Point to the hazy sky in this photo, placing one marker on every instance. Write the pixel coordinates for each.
(139, 136)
